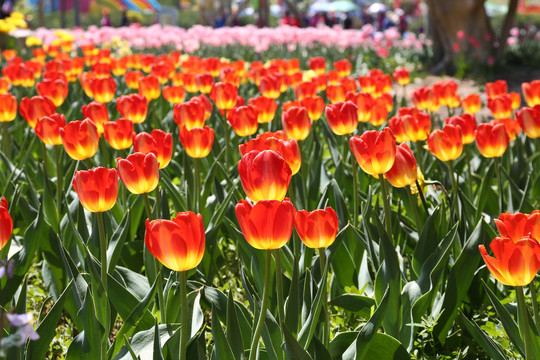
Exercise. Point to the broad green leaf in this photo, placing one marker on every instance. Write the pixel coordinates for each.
(486, 342)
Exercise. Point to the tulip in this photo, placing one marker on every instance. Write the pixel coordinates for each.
(496, 88)
(364, 102)
(288, 149)
(500, 106)
(34, 108)
(514, 263)
(207, 105)
(342, 117)
(139, 172)
(56, 90)
(157, 142)
(4, 85)
(404, 171)
(97, 188)
(446, 144)
(335, 93)
(266, 108)
(149, 87)
(517, 226)
(317, 64)
(119, 134)
(190, 82)
(491, 140)
(290, 104)
(197, 141)
(510, 125)
(270, 87)
(118, 66)
(224, 95)
(174, 94)
(163, 70)
(6, 223)
(48, 129)
(103, 89)
(189, 114)
(467, 124)
(529, 120)
(133, 107)
(243, 120)
(268, 224)
(396, 125)
(374, 151)
(98, 113)
(516, 100)
(204, 82)
(471, 104)
(80, 139)
(290, 80)
(379, 112)
(320, 81)
(8, 107)
(265, 175)
(296, 123)
(531, 92)
(402, 76)
(314, 107)
(317, 229)
(132, 79)
(343, 67)
(446, 93)
(417, 127)
(212, 65)
(305, 89)
(425, 99)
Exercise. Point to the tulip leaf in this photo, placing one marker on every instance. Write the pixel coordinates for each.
(157, 353)
(222, 348)
(490, 347)
(116, 243)
(234, 335)
(355, 303)
(293, 349)
(142, 343)
(49, 206)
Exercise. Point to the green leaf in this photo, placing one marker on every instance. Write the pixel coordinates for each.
(222, 348)
(355, 303)
(490, 347)
(293, 349)
(363, 340)
(234, 335)
(142, 343)
(158, 354)
(116, 243)
(308, 327)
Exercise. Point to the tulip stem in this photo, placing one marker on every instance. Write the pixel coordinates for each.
(414, 207)
(326, 314)
(454, 188)
(59, 180)
(355, 190)
(184, 314)
(227, 139)
(6, 142)
(279, 285)
(161, 299)
(386, 203)
(524, 317)
(197, 176)
(264, 306)
(45, 159)
(534, 299)
(499, 183)
(422, 198)
(102, 250)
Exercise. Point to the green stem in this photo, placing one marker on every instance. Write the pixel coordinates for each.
(355, 189)
(59, 180)
(414, 207)
(197, 176)
(6, 141)
(45, 159)
(454, 188)
(469, 171)
(534, 299)
(184, 314)
(102, 249)
(326, 314)
(161, 299)
(386, 202)
(279, 285)
(227, 140)
(499, 183)
(524, 317)
(422, 198)
(264, 306)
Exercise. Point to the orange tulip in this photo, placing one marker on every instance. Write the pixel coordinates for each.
(296, 123)
(4, 85)
(446, 93)
(396, 125)
(204, 82)
(56, 90)
(500, 106)
(314, 107)
(149, 87)
(268, 224)
(139, 172)
(118, 66)
(467, 124)
(335, 93)
(197, 141)
(48, 128)
(189, 114)
(290, 80)
(317, 229)
(404, 171)
(6, 223)
(84, 79)
(496, 88)
(288, 149)
(342, 117)
(305, 89)
(471, 104)
(270, 87)
(531, 92)
(364, 102)
(212, 65)
(229, 75)
(402, 76)
(224, 95)
(34, 108)
(491, 140)
(320, 81)
(208, 107)
(511, 126)
(102, 69)
(265, 175)
(119, 134)
(163, 70)
(529, 120)
(190, 82)
(317, 64)
(97, 188)
(516, 100)
(98, 113)
(103, 89)
(343, 67)
(375, 151)
(8, 107)
(517, 226)
(133, 107)
(290, 104)
(157, 142)
(132, 79)
(266, 108)
(424, 98)
(178, 243)
(80, 139)
(174, 94)
(379, 112)
(446, 144)
(514, 263)
(349, 85)
(417, 126)
(243, 120)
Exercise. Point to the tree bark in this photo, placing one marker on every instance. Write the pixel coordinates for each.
(264, 10)
(508, 21)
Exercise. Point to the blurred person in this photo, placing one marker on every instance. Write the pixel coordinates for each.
(125, 19)
(105, 18)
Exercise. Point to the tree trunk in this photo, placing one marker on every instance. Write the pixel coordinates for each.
(463, 17)
(264, 10)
